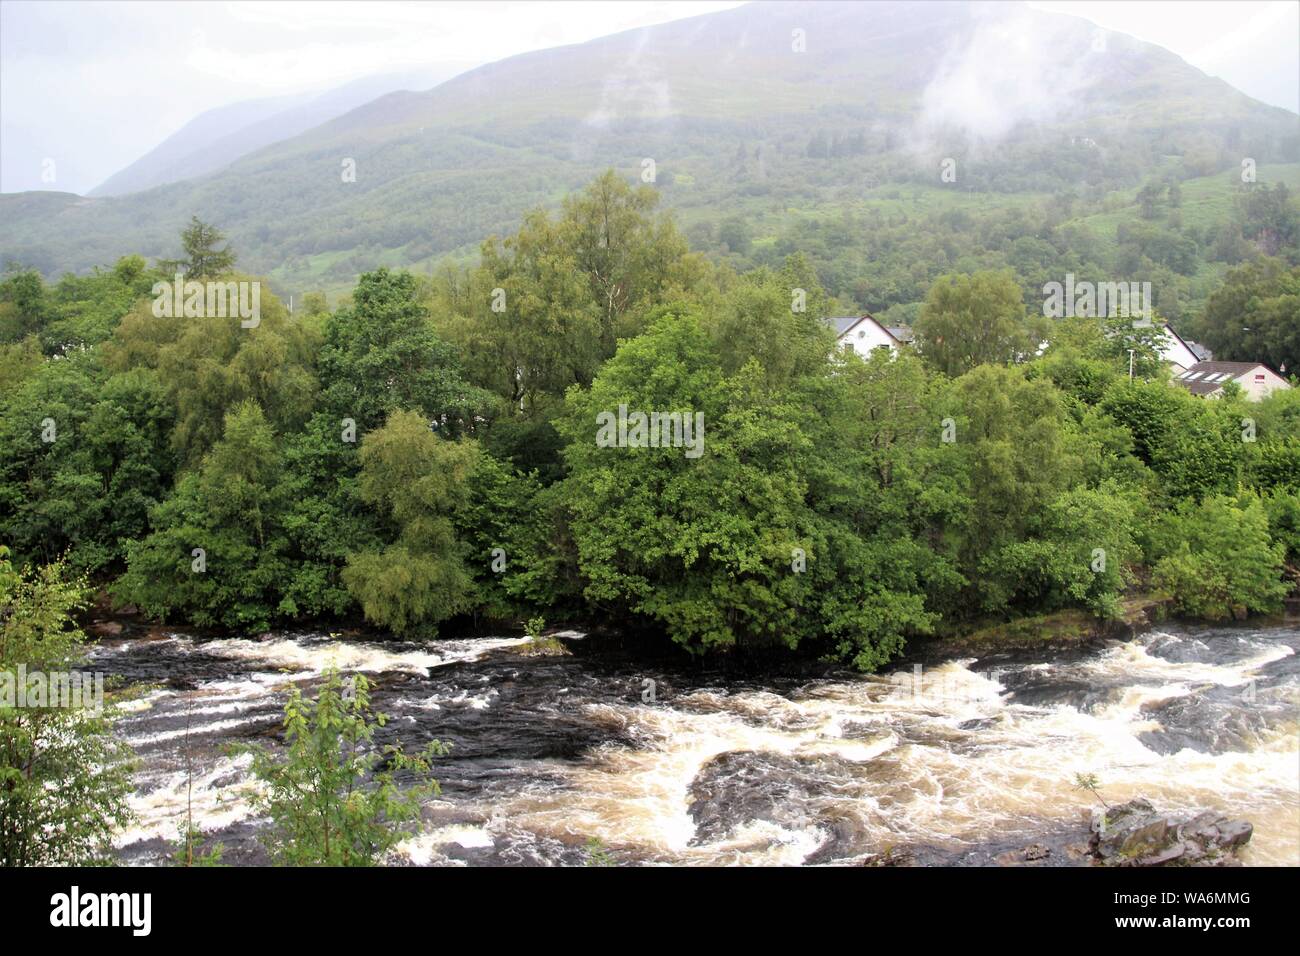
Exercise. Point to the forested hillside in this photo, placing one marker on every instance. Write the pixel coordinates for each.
(823, 128)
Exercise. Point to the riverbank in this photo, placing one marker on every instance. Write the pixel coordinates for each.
(1071, 629)
(1066, 630)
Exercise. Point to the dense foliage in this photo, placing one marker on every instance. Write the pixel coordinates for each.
(437, 450)
(64, 779)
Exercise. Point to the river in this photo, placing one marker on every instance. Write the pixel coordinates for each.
(950, 763)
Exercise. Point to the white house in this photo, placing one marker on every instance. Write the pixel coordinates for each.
(863, 334)
(1175, 351)
(1208, 378)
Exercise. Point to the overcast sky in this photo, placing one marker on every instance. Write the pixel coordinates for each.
(95, 85)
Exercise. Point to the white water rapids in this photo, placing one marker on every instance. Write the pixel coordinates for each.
(549, 753)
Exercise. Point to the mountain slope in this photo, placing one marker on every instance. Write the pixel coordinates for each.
(218, 137)
(190, 150)
(729, 111)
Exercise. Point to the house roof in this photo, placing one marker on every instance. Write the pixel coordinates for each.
(903, 333)
(845, 324)
(1233, 368)
(1200, 351)
(1206, 377)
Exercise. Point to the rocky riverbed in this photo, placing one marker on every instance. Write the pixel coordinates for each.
(962, 761)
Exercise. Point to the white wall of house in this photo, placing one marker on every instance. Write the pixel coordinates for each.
(1260, 382)
(866, 336)
(1175, 352)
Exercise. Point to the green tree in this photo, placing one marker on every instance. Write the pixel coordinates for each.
(1077, 553)
(570, 288)
(755, 320)
(1283, 509)
(1255, 315)
(735, 235)
(18, 362)
(971, 320)
(321, 517)
(505, 510)
(417, 481)
(328, 801)
(229, 511)
(1135, 346)
(1148, 197)
(752, 539)
(85, 310)
(84, 456)
(888, 499)
(1193, 446)
(202, 259)
(629, 257)
(1268, 218)
(1216, 558)
(24, 306)
(211, 365)
(541, 332)
(381, 354)
(64, 778)
(1052, 499)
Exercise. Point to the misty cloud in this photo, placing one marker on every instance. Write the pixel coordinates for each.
(1017, 67)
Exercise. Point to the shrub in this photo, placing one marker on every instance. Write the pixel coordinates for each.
(64, 779)
(1217, 559)
(327, 804)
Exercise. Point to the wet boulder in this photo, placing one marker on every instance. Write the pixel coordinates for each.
(1037, 854)
(792, 792)
(544, 647)
(1235, 833)
(1137, 834)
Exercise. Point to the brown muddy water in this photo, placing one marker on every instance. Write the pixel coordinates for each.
(952, 763)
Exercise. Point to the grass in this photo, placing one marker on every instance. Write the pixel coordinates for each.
(1207, 201)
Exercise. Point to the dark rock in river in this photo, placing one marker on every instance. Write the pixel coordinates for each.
(544, 647)
(1033, 853)
(1136, 834)
(891, 857)
(742, 786)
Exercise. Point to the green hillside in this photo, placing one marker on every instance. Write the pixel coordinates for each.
(829, 149)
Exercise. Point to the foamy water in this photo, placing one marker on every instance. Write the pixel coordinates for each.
(551, 753)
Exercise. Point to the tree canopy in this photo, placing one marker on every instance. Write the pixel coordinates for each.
(595, 422)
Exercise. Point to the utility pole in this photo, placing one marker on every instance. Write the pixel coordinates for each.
(1130, 364)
